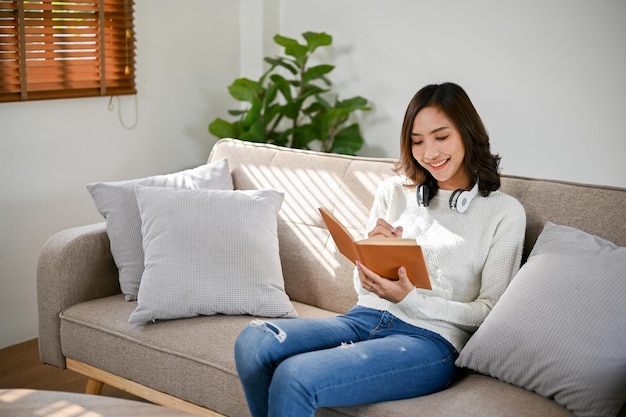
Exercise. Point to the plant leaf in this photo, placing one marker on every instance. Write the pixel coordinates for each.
(283, 138)
(317, 71)
(299, 52)
(255, 133)
(347, 141)
(292, 109)
(292, 48)
(312, 90)
(253, 115)
(303, 135)
(284, 41)
(283, 85)
(354, 103)
(270, 96)
(221, 128)
(315, 40)
(313, 109)
(281, 62)
(245, 89)
(336, 116)
(271, 112)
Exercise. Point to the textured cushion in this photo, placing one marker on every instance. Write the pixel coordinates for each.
(117, 203)
(210, 252)
(559, 328)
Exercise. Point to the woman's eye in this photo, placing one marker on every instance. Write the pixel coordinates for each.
(442, 137)
(417, 142)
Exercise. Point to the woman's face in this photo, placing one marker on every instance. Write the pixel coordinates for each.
(438, 147)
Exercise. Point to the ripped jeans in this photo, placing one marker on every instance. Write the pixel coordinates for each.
(291, 367)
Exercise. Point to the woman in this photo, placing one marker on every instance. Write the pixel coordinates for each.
(400, 341)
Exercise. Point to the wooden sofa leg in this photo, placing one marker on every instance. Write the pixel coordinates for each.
(97, 378)
(94, 387)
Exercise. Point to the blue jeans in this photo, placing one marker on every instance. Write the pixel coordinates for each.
(290, 367)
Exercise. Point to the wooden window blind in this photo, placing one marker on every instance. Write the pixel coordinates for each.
(63, 49)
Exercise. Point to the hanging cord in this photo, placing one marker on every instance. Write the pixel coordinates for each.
(111, 107)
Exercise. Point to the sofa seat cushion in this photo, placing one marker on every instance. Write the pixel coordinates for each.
(471, 395)
(199, 351)
(160, 355)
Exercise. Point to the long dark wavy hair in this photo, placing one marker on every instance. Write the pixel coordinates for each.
(454, 102)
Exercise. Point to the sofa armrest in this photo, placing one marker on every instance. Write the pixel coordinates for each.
(75, 265)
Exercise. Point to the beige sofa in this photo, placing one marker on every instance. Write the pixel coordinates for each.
(188, 363)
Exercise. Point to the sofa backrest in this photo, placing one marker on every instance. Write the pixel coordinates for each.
(595, 209)
(316, 274)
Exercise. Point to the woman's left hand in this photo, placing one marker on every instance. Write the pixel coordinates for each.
(391, 290)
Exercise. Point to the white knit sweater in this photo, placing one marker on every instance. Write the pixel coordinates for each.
(471, 257)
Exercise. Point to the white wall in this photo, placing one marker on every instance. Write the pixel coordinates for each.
(547, 77)
(50, 149)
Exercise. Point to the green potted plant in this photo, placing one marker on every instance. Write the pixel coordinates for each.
(292, 105)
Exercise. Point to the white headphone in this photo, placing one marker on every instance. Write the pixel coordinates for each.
(459, 200)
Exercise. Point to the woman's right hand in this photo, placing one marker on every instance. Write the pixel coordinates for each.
(385, 230)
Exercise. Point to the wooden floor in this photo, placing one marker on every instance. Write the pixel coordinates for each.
(20, 367)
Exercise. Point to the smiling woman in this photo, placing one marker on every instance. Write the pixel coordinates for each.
(444, 143)
(63, 49)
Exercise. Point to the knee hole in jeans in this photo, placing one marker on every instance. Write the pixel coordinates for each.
(270, 327)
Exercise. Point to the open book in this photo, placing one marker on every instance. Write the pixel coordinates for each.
(381, 255)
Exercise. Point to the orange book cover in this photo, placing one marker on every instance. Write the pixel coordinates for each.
(381, 255)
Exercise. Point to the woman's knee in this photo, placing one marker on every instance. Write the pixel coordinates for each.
(256, 333)
(253, 343)
(292, 377)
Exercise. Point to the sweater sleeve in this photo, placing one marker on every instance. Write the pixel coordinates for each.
(500, 266)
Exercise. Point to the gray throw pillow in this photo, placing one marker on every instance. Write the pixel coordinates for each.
(210, 252)
(560, 328)
(117, 203)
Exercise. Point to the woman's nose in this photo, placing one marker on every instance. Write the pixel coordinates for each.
(430, 151)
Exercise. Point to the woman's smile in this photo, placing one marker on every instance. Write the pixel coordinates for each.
(439, 165)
